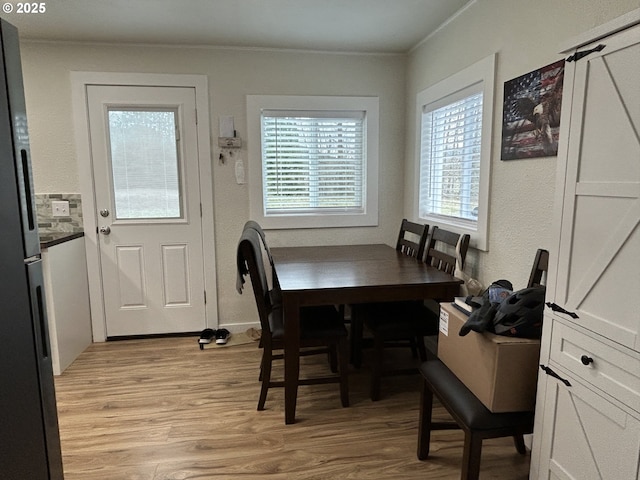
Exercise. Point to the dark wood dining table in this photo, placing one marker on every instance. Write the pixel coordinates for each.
(347, 274)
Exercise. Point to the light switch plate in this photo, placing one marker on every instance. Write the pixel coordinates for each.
(60, 208)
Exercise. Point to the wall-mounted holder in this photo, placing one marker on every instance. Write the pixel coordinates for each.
(229, 142)
(227, 146)
(227, 139)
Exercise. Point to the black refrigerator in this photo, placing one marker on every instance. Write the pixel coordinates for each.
(29, 437)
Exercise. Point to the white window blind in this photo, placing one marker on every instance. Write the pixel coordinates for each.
(450, 154)
(313, 162)
(145, 163)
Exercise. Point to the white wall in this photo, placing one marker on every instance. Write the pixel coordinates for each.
(232, 74)
(526, 35)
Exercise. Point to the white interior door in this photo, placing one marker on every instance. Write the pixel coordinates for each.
(144, 148)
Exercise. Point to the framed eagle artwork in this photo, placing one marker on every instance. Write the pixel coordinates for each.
(531, 113)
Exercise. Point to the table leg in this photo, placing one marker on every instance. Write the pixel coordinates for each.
(291, 357)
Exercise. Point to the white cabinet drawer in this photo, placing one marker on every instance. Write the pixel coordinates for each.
(614, 372)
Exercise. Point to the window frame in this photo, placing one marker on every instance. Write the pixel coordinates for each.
(483, 73)
(256, 104)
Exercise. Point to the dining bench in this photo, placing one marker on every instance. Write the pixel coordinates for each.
(468, 413)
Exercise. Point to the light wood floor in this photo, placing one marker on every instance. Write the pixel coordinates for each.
(162, 409)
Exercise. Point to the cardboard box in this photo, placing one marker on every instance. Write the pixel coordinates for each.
(501, 371)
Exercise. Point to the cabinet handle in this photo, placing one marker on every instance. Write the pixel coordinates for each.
(586, 360)
(557, 308)
(550, 372)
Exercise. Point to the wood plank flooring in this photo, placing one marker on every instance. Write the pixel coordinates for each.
(161, 409)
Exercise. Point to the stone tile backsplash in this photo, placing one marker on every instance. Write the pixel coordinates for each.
(47, 223)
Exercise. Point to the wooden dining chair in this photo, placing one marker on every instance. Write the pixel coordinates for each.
(272, 282)
(321, 328)
(444, 247)
(540, 267)
(411, 322)
(412, 239)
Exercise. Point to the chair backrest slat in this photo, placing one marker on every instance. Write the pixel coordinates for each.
(540, 267)
(412, 247)
(441, 249)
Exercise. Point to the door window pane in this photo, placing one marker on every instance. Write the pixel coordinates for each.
(145, 163)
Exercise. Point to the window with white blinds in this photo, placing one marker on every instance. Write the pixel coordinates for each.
(313, 162)
(450, 151)
(454, 120)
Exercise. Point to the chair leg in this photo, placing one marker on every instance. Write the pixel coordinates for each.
(333, 358)
(265, 373)
(357, 328)
(421, 348)
(424, 423)
(343, 357)
(342, 310)
(414, 347)
(471, 456)
(376, 368)
(518, 441)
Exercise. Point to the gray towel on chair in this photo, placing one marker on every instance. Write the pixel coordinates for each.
(241, 266)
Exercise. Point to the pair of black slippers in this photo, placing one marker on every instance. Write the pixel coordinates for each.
(208, 335)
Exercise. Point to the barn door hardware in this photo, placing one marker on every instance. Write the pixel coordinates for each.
(578, 55)
(550, 372)
(557, 308)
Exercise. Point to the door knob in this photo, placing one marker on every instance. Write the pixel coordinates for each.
(105, 230)
(104, 212)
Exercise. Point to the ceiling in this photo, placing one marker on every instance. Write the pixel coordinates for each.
(364, 26)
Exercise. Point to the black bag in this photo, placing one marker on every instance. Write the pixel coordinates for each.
(520, 315)
(481, 319)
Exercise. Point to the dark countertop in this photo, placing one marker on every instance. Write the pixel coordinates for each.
(55, 238)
